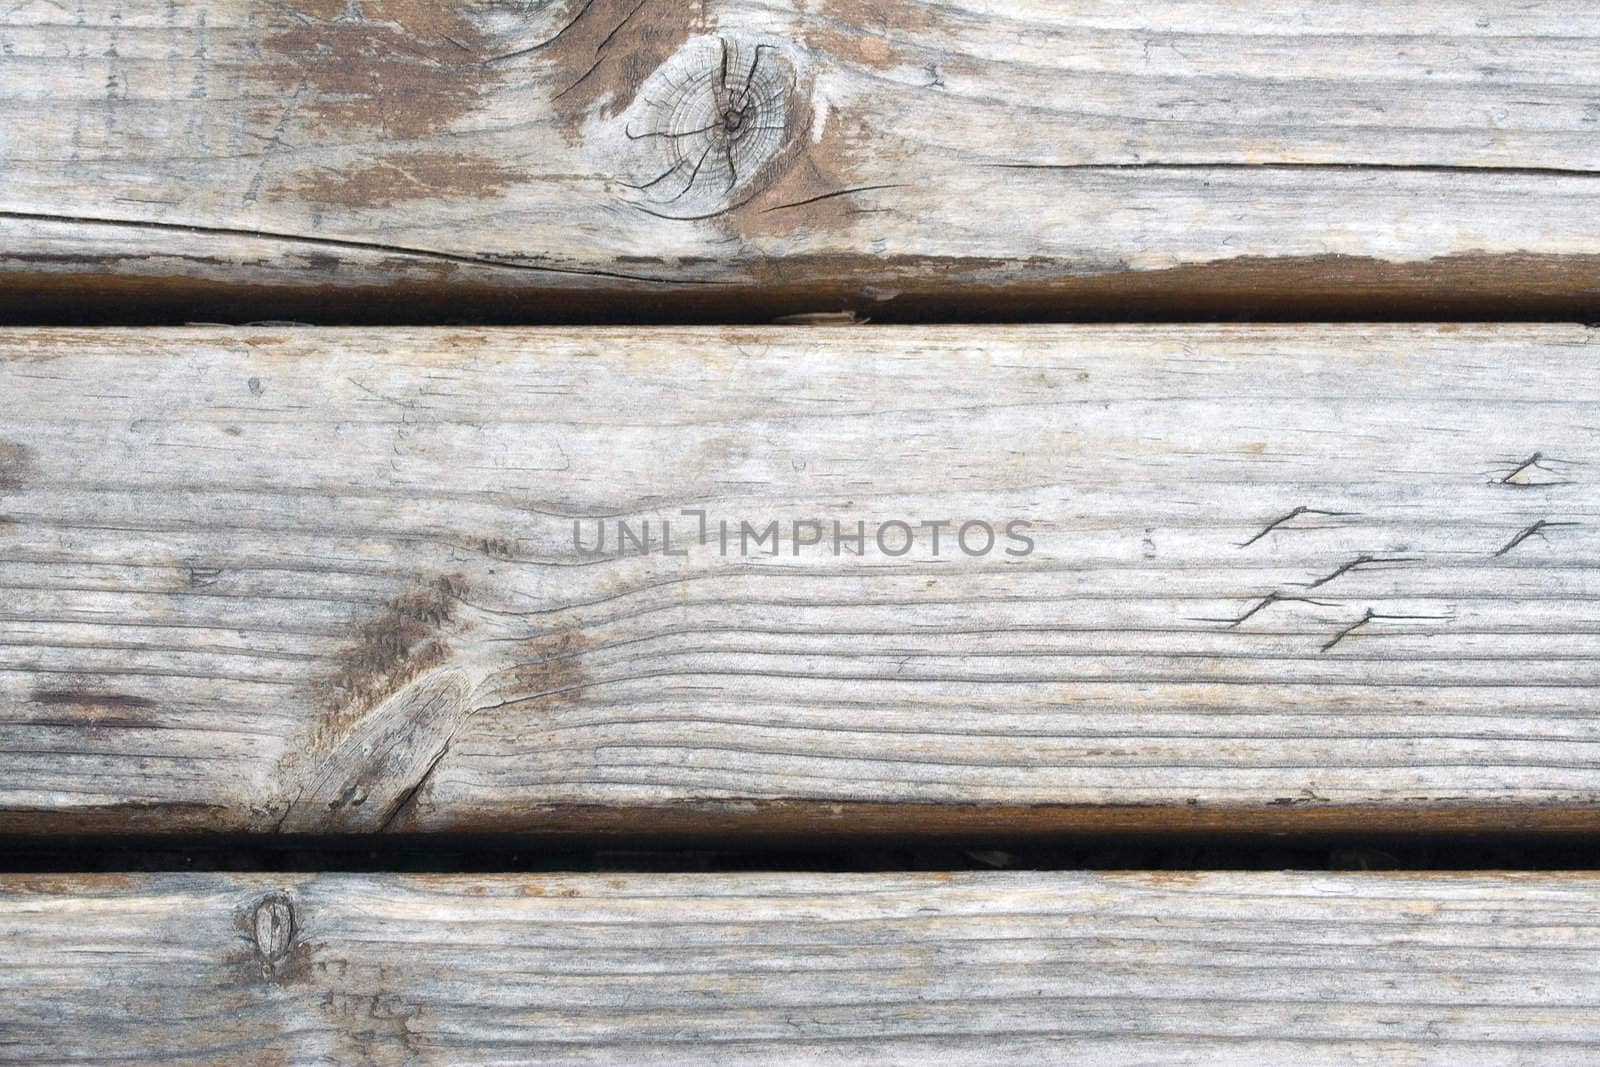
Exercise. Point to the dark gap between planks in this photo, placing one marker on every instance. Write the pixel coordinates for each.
(452, 853)
(21, 304)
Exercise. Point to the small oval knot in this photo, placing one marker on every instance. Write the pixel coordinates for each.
(273, 924)
(708, 126)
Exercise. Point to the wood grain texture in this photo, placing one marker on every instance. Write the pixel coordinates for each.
(761, 156)
(343, 580)
(1317, 969)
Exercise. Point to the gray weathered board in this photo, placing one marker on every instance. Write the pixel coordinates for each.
(797, 154)
(328, 580)
(1071, 968)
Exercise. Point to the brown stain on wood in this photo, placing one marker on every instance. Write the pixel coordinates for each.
(868, 33)
(28, 346)
(93, 708)
(401, 69)
(134, 817)
(397, 179)
(608, 50)
(807, 191)
(1165, 879)
(410, 636)
(70, 884)
(548, 671)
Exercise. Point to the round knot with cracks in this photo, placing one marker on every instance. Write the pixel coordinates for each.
(709, 126)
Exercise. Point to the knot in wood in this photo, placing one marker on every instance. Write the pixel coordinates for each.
(272, 924)
(708, 126)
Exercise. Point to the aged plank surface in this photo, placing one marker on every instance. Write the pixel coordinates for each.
(1040, 967)
(770, 155)
(870, 577)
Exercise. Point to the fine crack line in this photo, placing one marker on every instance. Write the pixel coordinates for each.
(408, 798)
(1266, 602)
(1525, 469)
(344, 243)
(606, 40)
(1536, 528)
(1371, 616)
(506, 57)
(1348, 630)
(1295, 514)
(830, 196)
(581, 78)
(1360, 561)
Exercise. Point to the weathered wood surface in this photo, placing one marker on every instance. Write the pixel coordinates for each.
(319, 580)
(1036, 968)
(758, 157)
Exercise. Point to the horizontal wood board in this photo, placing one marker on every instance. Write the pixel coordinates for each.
(346, 580)
(1190, 968)
(597, 158)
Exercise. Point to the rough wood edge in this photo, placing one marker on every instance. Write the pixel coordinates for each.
(746, 820)
(1467, 287)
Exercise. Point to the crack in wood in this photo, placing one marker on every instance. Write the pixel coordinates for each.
(1359, 561)
(347, 244)
(1295, 514)
(1536, 529)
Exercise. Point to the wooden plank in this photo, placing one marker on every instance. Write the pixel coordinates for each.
(889, 968)
(348, 580)
(581, 157)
